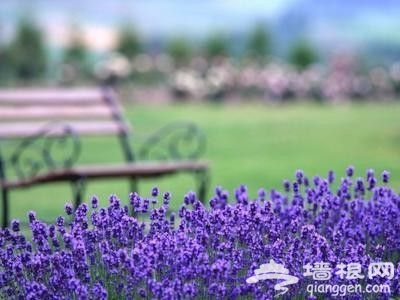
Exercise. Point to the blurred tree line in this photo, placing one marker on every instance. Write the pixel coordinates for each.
(26, 57)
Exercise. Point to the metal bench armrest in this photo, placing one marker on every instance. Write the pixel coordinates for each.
(56, 145)
(175, 141)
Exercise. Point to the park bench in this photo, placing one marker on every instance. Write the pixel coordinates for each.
(45, 128)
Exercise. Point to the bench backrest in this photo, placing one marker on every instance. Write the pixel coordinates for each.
(23, 112)
(30, 115)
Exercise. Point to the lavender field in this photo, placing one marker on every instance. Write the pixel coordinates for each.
(140, 251)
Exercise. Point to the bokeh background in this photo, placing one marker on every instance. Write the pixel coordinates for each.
(275, 85)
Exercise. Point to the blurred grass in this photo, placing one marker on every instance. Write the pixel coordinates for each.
(257, 145)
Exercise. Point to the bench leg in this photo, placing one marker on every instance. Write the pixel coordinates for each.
(133, 185)
(203, 181)
(4, 197)
(78, 188)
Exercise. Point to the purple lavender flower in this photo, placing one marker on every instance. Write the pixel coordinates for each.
(95, 202)
(154, 192)
(142, 293)
(331, 176)
(32, 216)
(15, 225)
(167, 196)
(286, 185)
(68, 208)
(350, 171)
(299, 176)
(316, 180)
(186, 200)
(60, 221)
(261, 194)
(385, 176)
(134, 200)
(295, 187)
(99, 292)
(371, 183)
(370, 173)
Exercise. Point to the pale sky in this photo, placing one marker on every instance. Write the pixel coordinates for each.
(349, 21)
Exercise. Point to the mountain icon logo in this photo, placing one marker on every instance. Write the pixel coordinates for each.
(273, 270)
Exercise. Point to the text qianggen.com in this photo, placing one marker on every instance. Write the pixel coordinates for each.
(341, 290)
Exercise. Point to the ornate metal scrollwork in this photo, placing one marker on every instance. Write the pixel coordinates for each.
(180, 140)
(57, 145)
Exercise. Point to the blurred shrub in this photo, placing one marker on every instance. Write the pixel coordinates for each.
(26, 54)
(179, 50)
(75, 56)
(6, 71)
(129, 43)
(216, 46)
(302, 54)
(259, 44)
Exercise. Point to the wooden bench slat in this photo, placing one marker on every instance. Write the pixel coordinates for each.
(142, 170)
(56, 96)
(51, 113)
(24, 129)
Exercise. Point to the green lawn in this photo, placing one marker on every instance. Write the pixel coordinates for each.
(257, 145)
